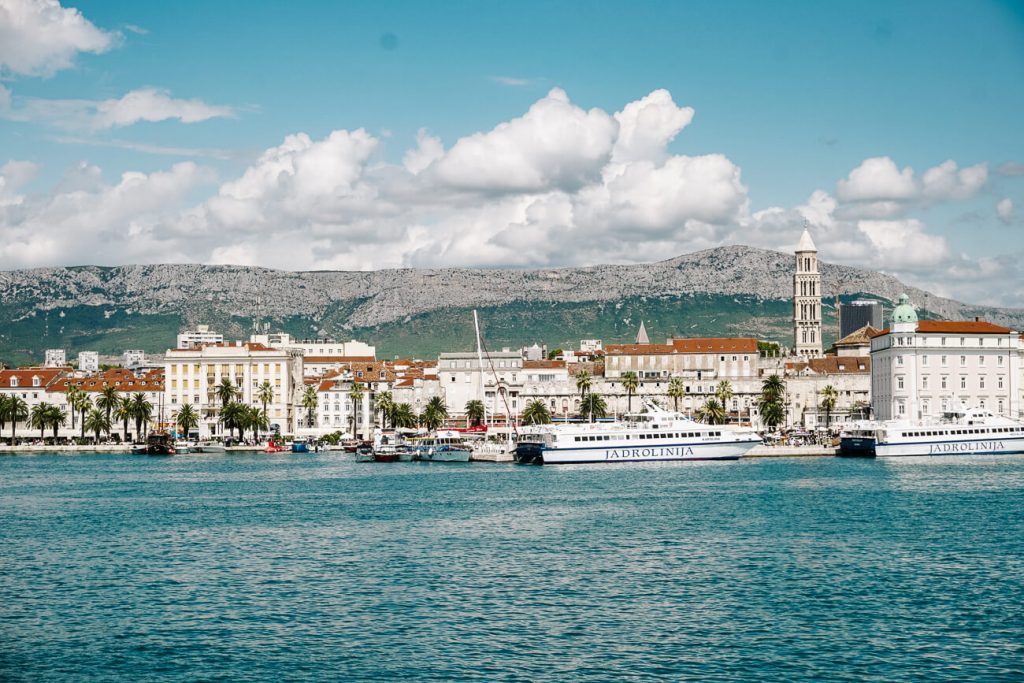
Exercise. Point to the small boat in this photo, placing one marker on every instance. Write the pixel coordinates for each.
(208, 447)
(350, 445)
(181, 447)
(273, 447)
(443, 446)
(140, 449)
(300, 446)
(365, 454)
(160, 443)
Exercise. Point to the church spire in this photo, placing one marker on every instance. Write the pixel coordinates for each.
(641, 335)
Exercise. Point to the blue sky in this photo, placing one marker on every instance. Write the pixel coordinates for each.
(795, 95)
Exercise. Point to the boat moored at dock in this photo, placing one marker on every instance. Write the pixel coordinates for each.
(975, 432)
(654, 435)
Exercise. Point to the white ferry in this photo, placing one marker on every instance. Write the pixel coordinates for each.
(655, 435)
(975, 432)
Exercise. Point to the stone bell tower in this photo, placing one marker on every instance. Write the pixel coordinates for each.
(807, 300)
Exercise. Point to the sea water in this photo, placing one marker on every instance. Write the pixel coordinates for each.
(297, 567)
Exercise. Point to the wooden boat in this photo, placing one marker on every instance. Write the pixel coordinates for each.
(160, 443)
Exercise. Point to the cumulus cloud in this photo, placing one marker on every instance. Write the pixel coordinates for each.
(144, 104)
(878, 187)
(39, 37)
(648, 125)
(1004, 209)
(876, 179)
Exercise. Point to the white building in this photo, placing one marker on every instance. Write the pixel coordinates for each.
(193, 375)
(133, 358)
(806, 379)
(500, 382)
(316, 347)
(190, 339)
(591, 345)
(807, 300)
(89, 361)
(928, 367)
(55, 358)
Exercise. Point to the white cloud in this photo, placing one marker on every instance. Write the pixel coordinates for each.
(904, 244)
(555, 145)
(511, 81)
(428, 150)
(647, 126)
(1004, 209)
(946, 181)
(875, 179)
(39, 37)
(144, 104)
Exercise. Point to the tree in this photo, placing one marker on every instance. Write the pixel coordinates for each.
(57, 418)
(770, 402)
(630, 382)
(310, 401)
(723, 392)
(712, 412)
(5, 402)
(403, 416)
(17, 411)
(385, 405)
(97, 422)
(124, 413)
(71, 396)
(475, 412)
(108, 400)
(186, 418)
(593, 406)
(83, 404)
(676, 390)
(230, 416)
(226, 392)
(583, 382)
(828, 402)
(265, 394)
(40, 418)
(355, 394)
(258, 421)
(435, 413)
(536, 412)
(142, 412)
(554, 353)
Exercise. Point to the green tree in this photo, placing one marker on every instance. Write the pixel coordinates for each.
(723, 392)
(142, 413)
(676, 390)
(536, 412)
(40, 418)
(310, 401)
(258, 421)
(17, 411)
(124, 413)
(355, 395)
(712, 412)
(82, 405)
(554, 353)
(57, 418)
(583, 382)
(108, 400)
(97, 422)
(770, 402)
(385, 405)
(186, 418)
(630, 382)
(475, 412)
(403, 416)
(829, 395)
(435, 413)
(71, 396)
(593, 406)
(226, 391)
(5, 402)
(265, 394)
(230, 416)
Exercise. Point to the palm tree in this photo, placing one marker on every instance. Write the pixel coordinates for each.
(142, 412)
(5, 402)
(71, 396)
(17, 411)
(230, 416)
(403, 416)
(475, 412)
(355, 395)
(257, 421)
(583, 382)
(828, 402)
(310, 401)
(83, 404)
(97, 422)
(536, 412)
(770, 402)
(676, 390)
(630, 382)
(712, 412)
(265, 394)
(226, 391)
(124, 413)
(594, 406)
(108, 400)
(186, 418)
(435, 413)
(57, 418)
(40, 418)
(385, 405)
(723, 392)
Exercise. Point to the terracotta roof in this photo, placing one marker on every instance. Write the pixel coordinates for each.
(955, 327)
(716, 345)
(315, 360)
(252, 346)
(858, 337)
(544, 364)
(638, 349)
(834, 365)
(122, 379)
(24, 376)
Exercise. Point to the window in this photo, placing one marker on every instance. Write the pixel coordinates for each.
(899, 382)
(981, 360)
(963, 361)
(924, 361)
(999, 382)
(945, 360)
(981, 382)
(963, 382)
(963, 341)
(924, 382)
(899, 360)
(1000, 361)
(944, 383)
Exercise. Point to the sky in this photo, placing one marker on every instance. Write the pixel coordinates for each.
(365, 135)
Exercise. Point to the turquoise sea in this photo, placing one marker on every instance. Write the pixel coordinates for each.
(288, 567)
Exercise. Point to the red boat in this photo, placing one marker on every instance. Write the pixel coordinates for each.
(273, 447)
(385, 457)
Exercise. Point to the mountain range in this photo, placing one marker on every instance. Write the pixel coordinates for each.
(726, 291)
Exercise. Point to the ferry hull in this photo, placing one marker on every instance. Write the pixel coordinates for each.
(446, 455)
(536, 454)
(870, 448)
(856, 447)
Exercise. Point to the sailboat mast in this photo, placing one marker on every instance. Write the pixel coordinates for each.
(480, 363)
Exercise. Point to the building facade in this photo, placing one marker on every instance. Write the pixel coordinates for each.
(497, 383)
(190, 339)
(856, 314)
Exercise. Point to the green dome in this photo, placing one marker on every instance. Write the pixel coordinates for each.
(904, 312)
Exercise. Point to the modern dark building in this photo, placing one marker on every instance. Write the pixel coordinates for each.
(857, 314)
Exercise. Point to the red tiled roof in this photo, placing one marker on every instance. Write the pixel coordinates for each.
(316, 360)
(834, 365)
(252, 346)
(716, 345)
(543, 364)
(122, 379)
(25, 375)
(638, 349)
(955, 327)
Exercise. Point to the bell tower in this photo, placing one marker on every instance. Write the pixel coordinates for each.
(807, 299)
